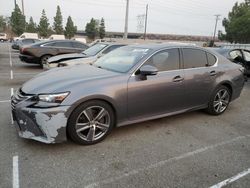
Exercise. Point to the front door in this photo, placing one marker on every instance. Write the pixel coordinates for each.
(158, 94)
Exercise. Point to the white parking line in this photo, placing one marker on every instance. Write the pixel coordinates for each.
(11, 74)
(4, 101)
(164, 162)
(10, 57)
(232, 179)
(15, 172)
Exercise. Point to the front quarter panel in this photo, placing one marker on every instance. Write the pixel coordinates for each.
(112, 90)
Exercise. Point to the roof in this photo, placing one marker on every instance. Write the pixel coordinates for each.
(155, 46)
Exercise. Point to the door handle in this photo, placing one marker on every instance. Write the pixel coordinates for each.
(178, 79)
(212, 73)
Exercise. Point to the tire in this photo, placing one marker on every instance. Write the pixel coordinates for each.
(44, 60)
(91, 122)
(219, 100)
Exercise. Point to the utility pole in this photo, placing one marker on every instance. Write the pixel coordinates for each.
(146, 22)
(22, 7)
(15, 3)
(126, 21)
(215, 28)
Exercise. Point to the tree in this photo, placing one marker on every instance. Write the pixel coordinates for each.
(58, 26)
(102, 29)
(3, 24)
(17, 21)
(31, 26)
(43, 27)
(236, 25)
(91, 29)
(70, 29)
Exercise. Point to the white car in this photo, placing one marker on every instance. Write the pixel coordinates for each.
(3, 37)
(88, 56)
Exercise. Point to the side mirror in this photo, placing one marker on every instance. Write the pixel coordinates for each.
(148, 70)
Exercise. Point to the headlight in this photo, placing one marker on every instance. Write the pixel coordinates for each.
(53, 98)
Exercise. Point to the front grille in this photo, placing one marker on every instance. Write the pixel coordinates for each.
(18, 97)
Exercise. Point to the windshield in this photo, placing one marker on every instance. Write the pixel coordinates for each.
(93, 50)
(122, 59)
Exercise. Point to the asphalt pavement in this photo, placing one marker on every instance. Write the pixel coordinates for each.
(188, 150)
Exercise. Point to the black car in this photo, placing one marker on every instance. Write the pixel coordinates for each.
(19, 43)
(39, 53)
(237, 55)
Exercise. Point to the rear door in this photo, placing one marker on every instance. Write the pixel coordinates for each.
(161, 93)
(65, 47)
(200, 70)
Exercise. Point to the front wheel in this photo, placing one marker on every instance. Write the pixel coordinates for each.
(44, 60)
(219, 101)
(91, 122)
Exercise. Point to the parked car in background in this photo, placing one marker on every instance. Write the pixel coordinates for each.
(39, 53)
(56, 37)
(26, 35)
(88, 56)
(237, 55)
(128, 85)
(16, 45)
(3, 37)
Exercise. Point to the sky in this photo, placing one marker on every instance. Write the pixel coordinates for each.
(185, 17)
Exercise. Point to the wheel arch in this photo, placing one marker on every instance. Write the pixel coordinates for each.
(105, 99)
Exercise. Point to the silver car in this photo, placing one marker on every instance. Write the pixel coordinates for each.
(129, 85)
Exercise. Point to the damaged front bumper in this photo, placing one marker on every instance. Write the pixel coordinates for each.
(47, 125)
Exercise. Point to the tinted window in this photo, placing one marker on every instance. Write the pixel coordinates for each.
(109, 49)
(27, 41)
(165, 60)
(63, 44)
(194, 58)
(246, 55)
(211, 59)
(93, 50)
(49, 44)
(78, 45)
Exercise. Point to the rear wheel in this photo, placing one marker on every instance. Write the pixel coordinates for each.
(44, 60)
(91, 122)
(219, 101)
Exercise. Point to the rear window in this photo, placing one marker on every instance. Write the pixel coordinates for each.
(194, 58)
(63, 44)
(211, 59)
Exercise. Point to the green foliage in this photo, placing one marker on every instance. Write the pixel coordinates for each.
(237, 24)
(43, 27)
(102, 29)
(92, 28)
(31, 26)
(70, 29)
(17, 21)
(58, 26)
(3, 24)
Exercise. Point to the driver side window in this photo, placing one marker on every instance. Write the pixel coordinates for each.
(165, 60)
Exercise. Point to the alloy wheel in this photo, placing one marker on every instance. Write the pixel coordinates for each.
(221, 101)
(93, 123)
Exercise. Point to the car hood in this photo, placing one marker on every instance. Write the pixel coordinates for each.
(59, 58)
(61, 79)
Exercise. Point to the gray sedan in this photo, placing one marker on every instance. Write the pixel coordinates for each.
(129, 85)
